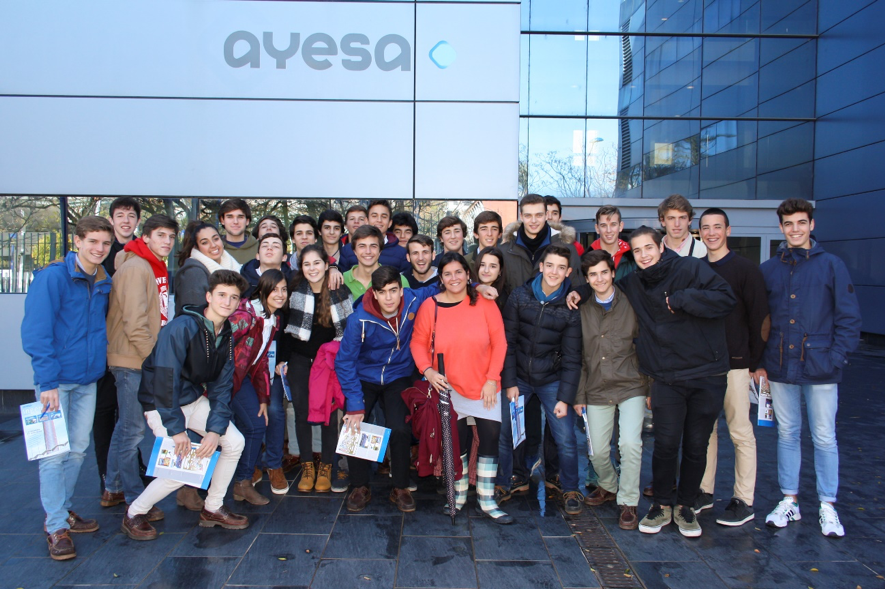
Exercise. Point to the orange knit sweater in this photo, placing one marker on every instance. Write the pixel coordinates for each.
(472, 339)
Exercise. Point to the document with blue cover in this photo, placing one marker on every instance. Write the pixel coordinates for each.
(187, 469)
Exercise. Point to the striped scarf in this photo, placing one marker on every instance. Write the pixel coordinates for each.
(302, 305)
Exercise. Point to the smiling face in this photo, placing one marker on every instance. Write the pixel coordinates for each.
(389, 297)
(645, 251)
(601, 279)
(453, 238)
(223, 301)
(487, 234)
(609, 227)
(209, 244)
(454, 277)
(420, 257)
(160, 241)
(797, 230)
(379, 217)
(489, 269)
(124, 221)
(553, 213)
(276, 300)
(303, 236)
(355, 220)
(554, 269)
(314, 268)
(534, 218)
(270, 253)
(676, 224)
(367, 251)
(714, 232)
(268, 226)
(331, 232)
(93, 248)
(234, 224)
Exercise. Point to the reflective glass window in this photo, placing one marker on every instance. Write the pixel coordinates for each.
(558, 15)
(558, 75)
(604, 74)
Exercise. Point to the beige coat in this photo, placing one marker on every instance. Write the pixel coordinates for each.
(133, 312)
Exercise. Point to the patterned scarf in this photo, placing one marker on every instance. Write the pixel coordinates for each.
(302, 303)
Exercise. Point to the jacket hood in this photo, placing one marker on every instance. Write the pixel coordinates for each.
(566, 234)
(370, 304)
(655, 274)
(790, 255)
(70, 262)
(510, 231)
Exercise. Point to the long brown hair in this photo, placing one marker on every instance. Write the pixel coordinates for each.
(323, 309)
(189, 242)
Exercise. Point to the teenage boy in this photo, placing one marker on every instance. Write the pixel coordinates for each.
(64, 332)
(404, 227)
(366, 242)
(675, 214)
(137, 309)
(331, 225)
(544, 359)
(124, 215)
(375, 365)
(554, 216)
(235, 215)
(487, 230)
(610, 383)
(450, 231)
(609, 226)
(815, 324)
(193, 356)
(391, 254)
(303, 231)
(525, 245)
(271, 251)
(354, 218)
(746, 329)
(420, 255)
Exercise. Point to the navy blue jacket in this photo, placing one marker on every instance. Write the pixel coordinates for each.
(815, 316)
(250, 273)
(183, 361)
(373, 352)
(64, 330)
(391, 255)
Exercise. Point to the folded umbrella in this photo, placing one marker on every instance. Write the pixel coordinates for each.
(445, 406)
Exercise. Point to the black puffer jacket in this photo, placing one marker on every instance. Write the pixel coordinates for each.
(690, 341)
(543, 342)
(185, 359)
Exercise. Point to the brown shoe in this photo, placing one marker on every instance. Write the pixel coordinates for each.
(324, 478)
(278, 483)
(308, 478)
(290, 461)
(109, 499)
(80, 525)
(154, 515)
(225, 518)
(599, 496)
(61, 547)
(358, 499)
(188, 498)
(403, 500)
(649, 491)
(138, 527)
(245, 490)
(628, 519)
(257, 476)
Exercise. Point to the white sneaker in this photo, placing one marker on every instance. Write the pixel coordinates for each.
(786, 511)
(829, 521)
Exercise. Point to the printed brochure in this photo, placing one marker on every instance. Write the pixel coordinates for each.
(187, 469)
(46, 432)
(369, 443)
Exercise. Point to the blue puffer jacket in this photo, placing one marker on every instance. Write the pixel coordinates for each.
(815, 316)
(373, 352)
(392, 254)
(65, 330)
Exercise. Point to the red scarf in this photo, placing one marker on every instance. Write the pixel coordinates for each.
(138, 247)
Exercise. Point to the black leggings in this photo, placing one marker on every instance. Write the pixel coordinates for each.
(299, 381)
(488, 431)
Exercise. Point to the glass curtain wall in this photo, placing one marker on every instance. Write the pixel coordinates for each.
(643, 99)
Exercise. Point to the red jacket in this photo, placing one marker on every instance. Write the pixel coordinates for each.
(247, 329)
(325, 390)
(423, 403)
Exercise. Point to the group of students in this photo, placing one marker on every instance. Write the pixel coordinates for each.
(352, 320)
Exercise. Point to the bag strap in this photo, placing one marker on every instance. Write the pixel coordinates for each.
(433, 332)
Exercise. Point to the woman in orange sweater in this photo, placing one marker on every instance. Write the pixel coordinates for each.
(469, 331)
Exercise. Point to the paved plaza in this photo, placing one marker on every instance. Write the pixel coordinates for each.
(309, 540)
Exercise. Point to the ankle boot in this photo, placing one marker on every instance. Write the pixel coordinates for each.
(245, 490)
(308, 477)
(188, 498)
(486, 471)
(324, 478)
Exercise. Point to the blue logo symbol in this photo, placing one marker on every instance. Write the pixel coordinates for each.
(443, 55)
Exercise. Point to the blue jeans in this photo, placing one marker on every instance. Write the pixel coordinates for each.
(245, 407)
(123, 469)
(562, 430)
(59, 473)
(821, 401)
(276, 427)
